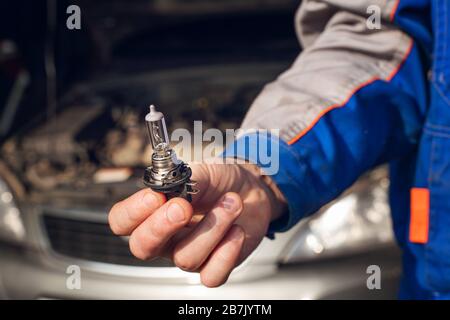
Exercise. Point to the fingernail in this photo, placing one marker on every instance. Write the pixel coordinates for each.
(229, 204)
(175, 213)
(150, 200)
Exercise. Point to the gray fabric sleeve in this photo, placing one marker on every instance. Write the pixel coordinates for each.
(341, 54)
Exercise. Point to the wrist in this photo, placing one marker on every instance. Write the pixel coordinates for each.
(276, 199)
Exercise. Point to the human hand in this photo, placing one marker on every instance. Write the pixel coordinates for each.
(226, 221)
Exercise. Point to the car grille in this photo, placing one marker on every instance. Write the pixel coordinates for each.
(92, 241)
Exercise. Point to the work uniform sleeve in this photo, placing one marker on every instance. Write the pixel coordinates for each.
(353, 99)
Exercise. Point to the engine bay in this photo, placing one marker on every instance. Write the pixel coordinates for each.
(96, 144)
(88, 142)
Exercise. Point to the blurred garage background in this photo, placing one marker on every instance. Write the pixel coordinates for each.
(72, 142)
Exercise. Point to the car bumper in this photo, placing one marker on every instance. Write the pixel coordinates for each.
(31, 275)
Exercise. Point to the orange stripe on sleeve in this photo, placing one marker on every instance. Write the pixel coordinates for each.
(360, 86)
(394, 10)
(328, 109)
(419, 219)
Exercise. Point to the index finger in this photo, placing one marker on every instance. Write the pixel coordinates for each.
(152, 235)
(127, 214)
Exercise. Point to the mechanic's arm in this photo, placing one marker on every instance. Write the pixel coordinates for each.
(355, 98)
(352, 100)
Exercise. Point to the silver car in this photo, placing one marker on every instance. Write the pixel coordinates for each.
(326, 256)
(60, 175)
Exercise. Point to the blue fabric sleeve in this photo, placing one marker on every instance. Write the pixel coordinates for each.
(382, 121)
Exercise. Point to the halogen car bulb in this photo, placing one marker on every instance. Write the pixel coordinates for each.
(166, 174)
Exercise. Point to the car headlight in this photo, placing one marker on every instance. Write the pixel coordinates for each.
(357, 221)
(11, 225)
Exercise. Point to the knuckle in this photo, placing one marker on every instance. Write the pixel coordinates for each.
(130, 213)
(141, 246)
(225, 257)
(211, 222)
(136, 249)
(158, 231)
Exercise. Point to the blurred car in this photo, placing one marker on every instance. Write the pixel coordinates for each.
(85, 148)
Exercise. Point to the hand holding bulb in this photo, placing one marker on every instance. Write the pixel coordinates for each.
(222, 225)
